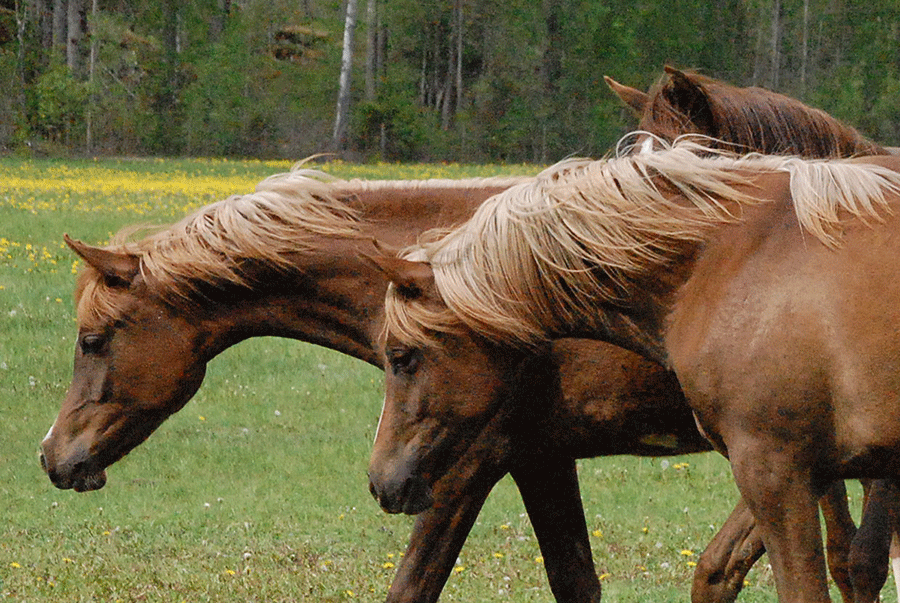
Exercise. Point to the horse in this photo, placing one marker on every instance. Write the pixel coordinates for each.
(747, 276)
(756, 119)
(740, 119)
(286, 261)
(319, 312)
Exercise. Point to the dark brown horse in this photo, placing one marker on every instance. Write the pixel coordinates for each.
(750, 277)
(740, 119)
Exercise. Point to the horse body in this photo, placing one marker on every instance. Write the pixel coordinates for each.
(759, 297)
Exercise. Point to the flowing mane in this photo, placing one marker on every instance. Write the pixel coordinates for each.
(287, 214)
(748, 118)
(542, 255)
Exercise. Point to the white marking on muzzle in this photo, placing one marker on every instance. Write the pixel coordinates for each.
(380, 419)
(49, 433)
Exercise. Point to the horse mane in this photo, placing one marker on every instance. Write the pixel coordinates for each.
(287, 214)
(541, 256)
(753, 118)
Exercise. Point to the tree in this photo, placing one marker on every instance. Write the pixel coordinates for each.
(341, 122)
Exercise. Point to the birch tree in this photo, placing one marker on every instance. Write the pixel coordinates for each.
(341, 126)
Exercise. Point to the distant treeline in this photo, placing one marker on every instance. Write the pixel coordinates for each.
(461, 80)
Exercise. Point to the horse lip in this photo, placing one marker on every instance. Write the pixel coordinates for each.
(412, 498)
(89, 482)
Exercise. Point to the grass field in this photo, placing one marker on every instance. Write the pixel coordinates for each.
(256, 490)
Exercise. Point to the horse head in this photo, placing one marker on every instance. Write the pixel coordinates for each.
(135, 364)
(440, 394)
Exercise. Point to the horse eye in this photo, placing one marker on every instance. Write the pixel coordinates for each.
(404, 360)
(92, 344)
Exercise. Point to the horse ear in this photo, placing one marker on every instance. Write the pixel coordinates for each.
(689, 97)
(411, 279)
(632, 97)
(117, 266)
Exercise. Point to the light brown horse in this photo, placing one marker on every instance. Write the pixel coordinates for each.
(750, 277)
(285, 261)
(756, 119)
(314, 310)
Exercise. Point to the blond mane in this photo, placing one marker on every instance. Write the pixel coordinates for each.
(287, 214)
(541, 257)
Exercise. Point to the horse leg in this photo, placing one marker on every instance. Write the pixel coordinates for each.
(723, 565)
(895, 560)
(840, 531)
(438, 536)
(871, 546)
(549, 488)
(781, 496)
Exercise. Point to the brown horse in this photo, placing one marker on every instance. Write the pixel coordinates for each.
(318, 309)
(740, 119)
(285, 261)
(750, 277)
(755, 119)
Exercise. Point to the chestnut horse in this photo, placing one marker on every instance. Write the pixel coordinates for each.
(395, 212)
(750, 276)
(756, 119)
(286, 261)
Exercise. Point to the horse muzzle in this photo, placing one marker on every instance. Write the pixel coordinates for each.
(75, 474)
(410, 495)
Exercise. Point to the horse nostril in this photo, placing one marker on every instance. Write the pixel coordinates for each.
(43, 462)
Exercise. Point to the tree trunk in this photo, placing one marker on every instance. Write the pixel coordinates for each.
(74, 36)
(92, 63)
(60, 11)
(341, 125)
(775, 50)
(371, 48)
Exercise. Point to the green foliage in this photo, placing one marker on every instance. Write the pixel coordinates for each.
(261, 78)
(60, 104)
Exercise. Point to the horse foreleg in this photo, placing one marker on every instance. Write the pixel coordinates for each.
(552, 498)
(723, 565)
(839, 534)
(438, 536)
(779, 492)
(871, 546)
(895, 561)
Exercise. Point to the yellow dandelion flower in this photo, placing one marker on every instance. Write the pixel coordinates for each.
(349, 593)
(687, 552)
(387, 565)
(498, 555)
(504, 527)
(603, 576)
(230, 572)
(459, 569)
(538, 559)
(692, 564)
(597, 534)
(14, 565)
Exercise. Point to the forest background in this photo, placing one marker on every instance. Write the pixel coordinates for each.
(430, 80)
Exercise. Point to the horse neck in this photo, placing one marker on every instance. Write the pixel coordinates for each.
(334, 296)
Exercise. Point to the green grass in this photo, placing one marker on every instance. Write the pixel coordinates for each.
(256, 490)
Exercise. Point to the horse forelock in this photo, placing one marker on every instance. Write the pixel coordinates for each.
(540, 257)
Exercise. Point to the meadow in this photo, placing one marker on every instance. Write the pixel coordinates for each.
(257, 490)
